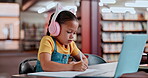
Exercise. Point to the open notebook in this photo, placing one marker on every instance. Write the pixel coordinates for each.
(131, 53)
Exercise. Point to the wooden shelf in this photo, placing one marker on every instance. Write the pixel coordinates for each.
(31, 40)
(9, 51)
(9, 39)
(112, 41)
(9, 17)
(122, 31)
(30, 51)
(121, 20)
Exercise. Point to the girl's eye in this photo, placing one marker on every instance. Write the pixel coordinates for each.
(69, 32)
(74, 33)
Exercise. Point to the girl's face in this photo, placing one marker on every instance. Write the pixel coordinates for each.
(68, 29)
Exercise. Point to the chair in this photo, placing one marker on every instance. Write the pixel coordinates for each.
(94, 59)
(27, 66)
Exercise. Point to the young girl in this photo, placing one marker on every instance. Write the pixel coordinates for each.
(58, 45)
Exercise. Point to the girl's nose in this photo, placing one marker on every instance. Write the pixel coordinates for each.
(71, 36)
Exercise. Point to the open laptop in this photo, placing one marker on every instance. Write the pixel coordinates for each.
(128, 62)
(131, 54)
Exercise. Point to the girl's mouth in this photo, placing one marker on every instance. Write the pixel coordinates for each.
(69, 41)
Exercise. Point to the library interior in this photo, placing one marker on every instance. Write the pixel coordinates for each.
(102, 27)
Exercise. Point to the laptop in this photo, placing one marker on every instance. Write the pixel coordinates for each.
(129, 59)
(131, 54)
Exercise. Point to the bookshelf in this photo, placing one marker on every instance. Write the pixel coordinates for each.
(31, 36)
(78, 38)
(9, 27)
(114, 27)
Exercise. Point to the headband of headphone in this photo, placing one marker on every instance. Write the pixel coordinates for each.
(54, 27)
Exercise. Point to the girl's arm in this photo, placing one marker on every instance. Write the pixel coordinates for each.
(48, 65)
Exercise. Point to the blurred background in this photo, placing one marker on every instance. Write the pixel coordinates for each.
(103, 23)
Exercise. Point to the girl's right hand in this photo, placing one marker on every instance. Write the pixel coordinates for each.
(80, 66)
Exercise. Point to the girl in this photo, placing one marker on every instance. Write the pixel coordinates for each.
(58, 45)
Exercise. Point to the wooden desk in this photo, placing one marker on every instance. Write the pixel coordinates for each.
(102, 72)
(26, 76)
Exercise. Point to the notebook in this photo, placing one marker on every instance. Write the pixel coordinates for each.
(131, 54)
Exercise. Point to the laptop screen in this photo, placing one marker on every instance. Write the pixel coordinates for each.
(131, 53)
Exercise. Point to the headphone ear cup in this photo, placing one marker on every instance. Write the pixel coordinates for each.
(54, 28)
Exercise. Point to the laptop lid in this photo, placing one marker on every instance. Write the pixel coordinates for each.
(131, 53)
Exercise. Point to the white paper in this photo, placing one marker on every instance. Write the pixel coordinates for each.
(103, 70)
(61, 74)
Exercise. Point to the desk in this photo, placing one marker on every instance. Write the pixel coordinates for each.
(106, 70)
(101, 71)
(26, 76)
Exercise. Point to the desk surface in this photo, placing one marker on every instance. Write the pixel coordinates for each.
(106, 70)
(26, 76)
(101, 71)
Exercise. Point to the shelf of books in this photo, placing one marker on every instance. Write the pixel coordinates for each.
(114, 27)
(9, 27)
(31, 35)
(78, 36)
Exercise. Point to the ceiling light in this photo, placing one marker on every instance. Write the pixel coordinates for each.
(41, 10)
(141, 1)
(122, 10)
(35, 8)
(137, 4)
(51, 5)
(100, 4)
(47, 7)
(108, 1)
(106, 10)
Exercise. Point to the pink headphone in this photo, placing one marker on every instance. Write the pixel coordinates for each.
(54, 27)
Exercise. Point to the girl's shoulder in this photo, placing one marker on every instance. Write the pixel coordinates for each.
(46, 38)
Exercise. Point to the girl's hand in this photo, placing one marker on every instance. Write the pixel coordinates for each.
(79, 66)
(72, 62)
